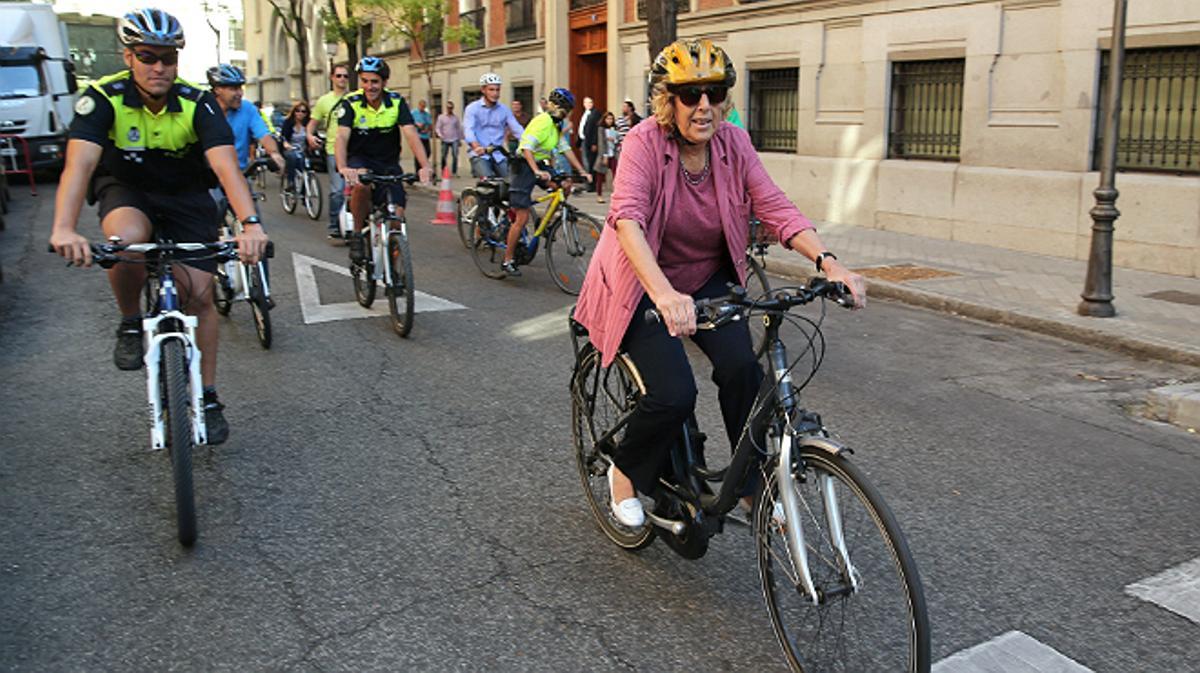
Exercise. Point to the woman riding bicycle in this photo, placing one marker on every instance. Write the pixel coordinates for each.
(541, 139)
(677, 231)
(294, 132)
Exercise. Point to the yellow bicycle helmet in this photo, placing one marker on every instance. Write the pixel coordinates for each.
(692, 62)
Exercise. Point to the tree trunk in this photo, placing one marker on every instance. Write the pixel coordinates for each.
(302, 47)
(660, 25)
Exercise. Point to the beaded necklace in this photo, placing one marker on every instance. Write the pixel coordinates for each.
(698, 178)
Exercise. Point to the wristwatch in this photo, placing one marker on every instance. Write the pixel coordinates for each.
(821, 258)
(254, 219)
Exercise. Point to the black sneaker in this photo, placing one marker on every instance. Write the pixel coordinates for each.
(128, 352)
(214, 420)
(510, 268)
(358, 249)
(335, 234)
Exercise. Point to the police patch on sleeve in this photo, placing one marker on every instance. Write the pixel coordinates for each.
(85, 105)
(341, 112)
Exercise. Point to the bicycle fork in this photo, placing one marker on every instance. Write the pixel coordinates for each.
(153, 360)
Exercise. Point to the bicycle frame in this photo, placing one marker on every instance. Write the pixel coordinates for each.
(168, 309)
(241, 272)
(381, 230)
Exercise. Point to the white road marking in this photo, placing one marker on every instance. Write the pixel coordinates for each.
(315, 312)
(1013, 652)
(545, 326)
(1176, 589)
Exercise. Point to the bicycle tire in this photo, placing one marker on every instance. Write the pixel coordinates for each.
(465, 215)
(569, 249)
(288, 197)
(363, 273)
(176, 384)
(898, 640)
(487, 247)
(313, 198)
(757, 285)
(259, 308)
(400, 291)
(599, 396)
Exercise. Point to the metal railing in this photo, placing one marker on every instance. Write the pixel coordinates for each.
(772, 115)
(1160, 110)
(519, 21)
(477, 18)
(926, 115)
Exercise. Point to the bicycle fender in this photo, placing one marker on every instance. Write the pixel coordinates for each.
(830, 446)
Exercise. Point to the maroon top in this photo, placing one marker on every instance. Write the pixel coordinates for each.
(646, 190)
(693, 247)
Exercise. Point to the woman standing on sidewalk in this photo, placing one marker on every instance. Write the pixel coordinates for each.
(606, 137)
(677, 231)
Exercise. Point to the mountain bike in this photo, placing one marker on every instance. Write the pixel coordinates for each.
(237, 281)
(389, 259)
(172, 358)
(840, 584)
(307, 189)
(571, 237)
(488, 199)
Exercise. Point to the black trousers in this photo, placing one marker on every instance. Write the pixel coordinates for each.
(671, 386)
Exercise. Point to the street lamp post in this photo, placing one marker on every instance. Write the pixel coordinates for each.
(1097, 290)
(331, 49)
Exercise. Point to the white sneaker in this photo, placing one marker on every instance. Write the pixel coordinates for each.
(629, 511)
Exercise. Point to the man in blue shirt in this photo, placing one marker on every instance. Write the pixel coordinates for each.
(424, 122)
(247, 124)
(484, 123)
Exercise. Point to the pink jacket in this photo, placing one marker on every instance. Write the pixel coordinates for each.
(647, 179)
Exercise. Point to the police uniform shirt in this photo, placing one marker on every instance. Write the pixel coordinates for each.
(374, 133)
(161, 152)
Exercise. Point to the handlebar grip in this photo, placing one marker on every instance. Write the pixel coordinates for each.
(652, 316)
(270, 249)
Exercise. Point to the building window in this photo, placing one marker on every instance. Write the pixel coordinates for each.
(237, 35)
(524, 93)
(772, 115)
(926, 116)
(519, 21)
(258, 67)
(435, 104)
(469, 96)
(584, 4)
(681, 7)
(474, 16)
(1160, 120)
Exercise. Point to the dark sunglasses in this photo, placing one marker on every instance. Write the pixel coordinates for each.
(341, 75)
(690, 95)
(150, 58)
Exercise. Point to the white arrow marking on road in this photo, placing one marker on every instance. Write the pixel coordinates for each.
(316, 312)
(1013, 652)
(1176, 589)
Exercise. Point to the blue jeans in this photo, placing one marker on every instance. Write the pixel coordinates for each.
(450, 148)
(337, 184)
(293, 162)
(486, 167)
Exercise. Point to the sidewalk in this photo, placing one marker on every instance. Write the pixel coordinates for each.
(1158, 315)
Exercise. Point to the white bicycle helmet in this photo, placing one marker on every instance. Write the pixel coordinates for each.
(489, 78)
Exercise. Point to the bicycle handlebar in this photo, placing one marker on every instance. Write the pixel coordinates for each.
(719, 311)
(258, 163)
(369, 178)
(106, 254)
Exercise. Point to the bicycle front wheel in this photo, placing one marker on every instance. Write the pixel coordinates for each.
(401, 291)
(312, 195)
(363, 275)
(176, 385)
(258, 306)
(882, 624)
(487, 246)
(466, 215)
(570, 248)
(600, 397)
(288, 196)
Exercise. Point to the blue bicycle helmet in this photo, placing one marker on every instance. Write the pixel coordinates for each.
(374, 64)
(226, 75)
(562, 98)
(150, 26)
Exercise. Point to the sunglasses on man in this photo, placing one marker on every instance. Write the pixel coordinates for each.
(150, 58)
(341, 75)
(690, 95)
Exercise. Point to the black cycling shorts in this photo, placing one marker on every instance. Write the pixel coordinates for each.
(190, 217)
(379, 192)
(520, 192)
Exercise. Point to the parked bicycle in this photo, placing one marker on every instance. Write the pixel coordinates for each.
(389, 260)
(172, 360)
(571, 234)
(840, 583)
(306, 189)
(237, 281)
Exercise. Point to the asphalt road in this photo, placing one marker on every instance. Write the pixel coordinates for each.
(389, 504)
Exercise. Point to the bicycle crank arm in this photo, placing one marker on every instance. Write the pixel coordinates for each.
(676, 527)
(794, 533)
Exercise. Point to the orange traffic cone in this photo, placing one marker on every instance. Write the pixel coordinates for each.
(445, 207)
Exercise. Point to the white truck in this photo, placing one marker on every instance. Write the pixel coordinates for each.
(37, 85)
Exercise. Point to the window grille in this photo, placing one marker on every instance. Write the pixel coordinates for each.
(772, 115)
(584, 4)
(519, 21)
(927, 100)
(475, 17)
(681, 7)
(1159, 128)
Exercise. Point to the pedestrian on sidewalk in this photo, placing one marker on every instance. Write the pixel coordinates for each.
(323, 120)
(606, 138)
(450, 131)
(424, 123)
(625, 121)
(589, 125)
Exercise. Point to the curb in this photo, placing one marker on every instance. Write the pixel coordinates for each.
(1178, 404)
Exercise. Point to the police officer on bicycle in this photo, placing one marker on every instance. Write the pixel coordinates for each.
(370, 123)
(139, 145)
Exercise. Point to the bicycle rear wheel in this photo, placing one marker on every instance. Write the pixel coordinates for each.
(880, 626)
(363, 273)
(599, 399)
(487, 246)
(757, 286)
(312, 195)
(400, 291)
(175, 384)
(258, 306)
(466, 215)
(569, 250)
